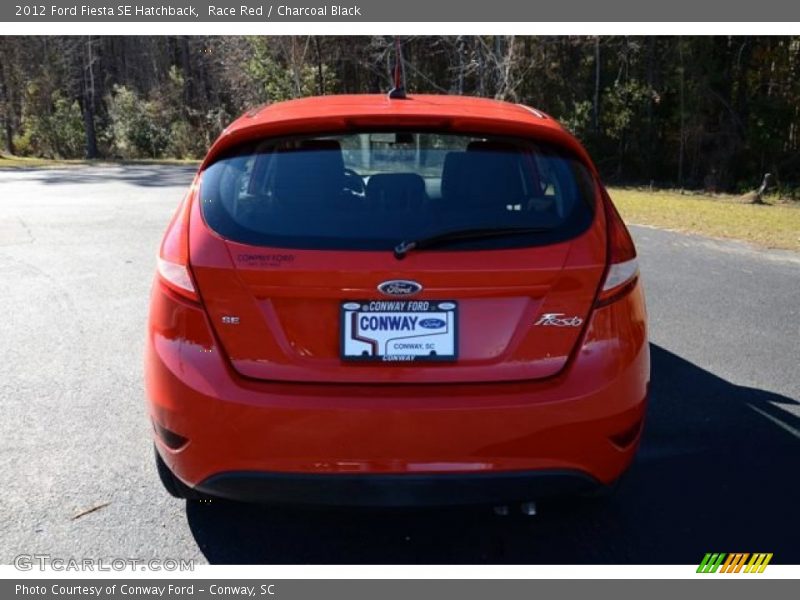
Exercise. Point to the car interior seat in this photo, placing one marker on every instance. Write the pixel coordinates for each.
(310, 176)
(402, 193)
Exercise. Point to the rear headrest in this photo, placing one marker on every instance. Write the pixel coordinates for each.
(310, 174)
(397, 192)
(481, 179)
(530, 171)
(454, 181)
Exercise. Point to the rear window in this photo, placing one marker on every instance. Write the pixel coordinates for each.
(373, 190)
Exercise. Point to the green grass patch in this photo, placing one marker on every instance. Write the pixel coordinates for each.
(25, 162)
(773, 225)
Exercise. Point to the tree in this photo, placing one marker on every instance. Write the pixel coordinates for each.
(706, 111)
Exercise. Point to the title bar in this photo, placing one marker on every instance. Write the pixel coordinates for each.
(464, 11)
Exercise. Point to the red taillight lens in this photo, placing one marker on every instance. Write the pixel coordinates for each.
(623, 268)
(177, 278)
(173, 258)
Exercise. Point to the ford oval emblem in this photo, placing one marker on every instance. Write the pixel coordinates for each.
(399, 287)
(432, 323)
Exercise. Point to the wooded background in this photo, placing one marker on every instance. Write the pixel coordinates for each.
(710, 112)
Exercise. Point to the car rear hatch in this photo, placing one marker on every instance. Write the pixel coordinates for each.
(294, 249)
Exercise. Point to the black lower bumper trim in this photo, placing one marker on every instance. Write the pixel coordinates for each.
(395, 490)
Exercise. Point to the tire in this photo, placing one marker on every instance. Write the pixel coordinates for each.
(174, 486)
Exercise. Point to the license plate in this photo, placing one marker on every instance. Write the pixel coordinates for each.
(399, 330)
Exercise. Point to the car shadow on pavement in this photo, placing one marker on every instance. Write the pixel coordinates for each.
(145, 175)
(717, 471)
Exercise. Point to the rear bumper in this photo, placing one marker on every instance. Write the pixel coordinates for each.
(396, 444)
(395, 490)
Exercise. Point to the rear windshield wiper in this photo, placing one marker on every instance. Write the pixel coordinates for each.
(458, 235)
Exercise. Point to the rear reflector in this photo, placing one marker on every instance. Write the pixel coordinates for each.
(624, 439)
(171, 440)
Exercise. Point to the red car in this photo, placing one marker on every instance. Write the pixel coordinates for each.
(366, 300)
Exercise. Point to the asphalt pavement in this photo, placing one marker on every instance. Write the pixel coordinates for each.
(717, 471)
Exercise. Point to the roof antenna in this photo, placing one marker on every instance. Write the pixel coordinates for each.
(398, 92)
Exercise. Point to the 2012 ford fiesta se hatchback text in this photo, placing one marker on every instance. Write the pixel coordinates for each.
(365, 300)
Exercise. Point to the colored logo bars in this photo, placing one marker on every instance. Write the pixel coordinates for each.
(734, 563)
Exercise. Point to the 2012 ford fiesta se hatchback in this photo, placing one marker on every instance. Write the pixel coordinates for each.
(373, 301)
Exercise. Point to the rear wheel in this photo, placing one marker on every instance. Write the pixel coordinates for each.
(174, 486)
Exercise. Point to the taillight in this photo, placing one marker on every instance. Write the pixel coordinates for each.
(173, 258)
(623, 268)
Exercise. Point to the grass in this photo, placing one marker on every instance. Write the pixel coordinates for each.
(24, 162)
(773, 225)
